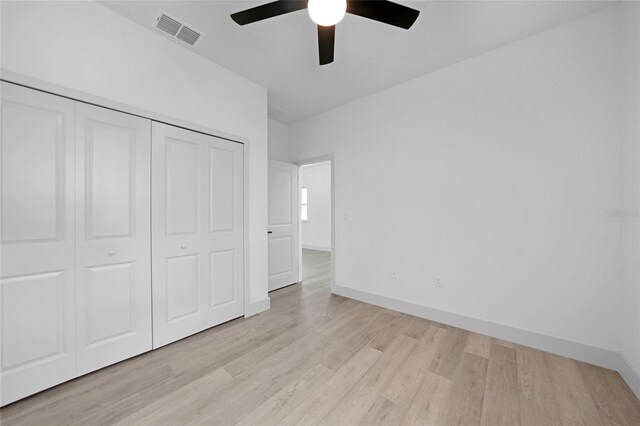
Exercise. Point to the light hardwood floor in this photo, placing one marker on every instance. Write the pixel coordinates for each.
(316, 358)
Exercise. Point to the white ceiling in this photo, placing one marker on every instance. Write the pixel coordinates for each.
(281, 53)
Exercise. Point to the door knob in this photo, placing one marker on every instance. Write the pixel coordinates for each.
(111, 253)
(184, 246)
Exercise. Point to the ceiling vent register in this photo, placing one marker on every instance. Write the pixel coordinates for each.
(177, 29)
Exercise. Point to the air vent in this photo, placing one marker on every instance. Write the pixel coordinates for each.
(168, 24)
(175, 28)
(188, 35)
(275, 113)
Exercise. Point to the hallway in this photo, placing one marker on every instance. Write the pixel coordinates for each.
(316, 267)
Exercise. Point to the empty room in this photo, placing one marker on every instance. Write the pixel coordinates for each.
(305, 212)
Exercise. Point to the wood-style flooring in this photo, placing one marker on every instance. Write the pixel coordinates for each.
(317, 358)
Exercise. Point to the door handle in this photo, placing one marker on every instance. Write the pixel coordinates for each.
(269, 232)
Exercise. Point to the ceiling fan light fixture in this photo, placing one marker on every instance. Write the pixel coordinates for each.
(327, 12)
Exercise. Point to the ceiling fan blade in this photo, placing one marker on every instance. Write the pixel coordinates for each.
(384, 11)
(326, 43)
(268, 10)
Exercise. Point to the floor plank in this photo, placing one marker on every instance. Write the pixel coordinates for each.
(382, 412)
(450, 353)
(322, 401)
(479, 345)
(279, 405)
(577, 405)
(616, 404)
(501, 393)
(538, 403)
(355, 406)
(174, 407)
(464, 405)
(429, 402)
(405, 383)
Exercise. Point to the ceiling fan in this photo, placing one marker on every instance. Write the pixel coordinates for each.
(327, 13)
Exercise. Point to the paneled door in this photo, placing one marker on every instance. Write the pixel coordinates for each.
(38, 274)
(113, 236)
(197, 221)
(283, 225)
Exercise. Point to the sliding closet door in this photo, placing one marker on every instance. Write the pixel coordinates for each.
(197, 232)
(38, 284)
(113, 192)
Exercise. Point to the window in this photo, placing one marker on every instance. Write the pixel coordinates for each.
(304, 213)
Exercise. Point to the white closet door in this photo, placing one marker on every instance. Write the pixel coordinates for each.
(197, 232)
(113, 217)
(38, 283)
(225, 231)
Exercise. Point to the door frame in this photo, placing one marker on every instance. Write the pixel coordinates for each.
(313, 160)
(40, 85)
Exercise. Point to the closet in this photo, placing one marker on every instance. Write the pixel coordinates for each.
(38, 242)
(79, 287)
(113, 259)
(197, 232)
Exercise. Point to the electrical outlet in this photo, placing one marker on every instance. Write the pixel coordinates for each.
(439, 281)
(394, 274)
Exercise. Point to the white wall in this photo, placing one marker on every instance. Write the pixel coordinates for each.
(278, 141)
(494, 172)
(631, 186)
(316, 232)
(87, 47)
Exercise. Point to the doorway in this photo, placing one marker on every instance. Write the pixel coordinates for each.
(316, 222)
(301, 231)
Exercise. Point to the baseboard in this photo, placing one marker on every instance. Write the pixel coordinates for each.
(610, 359)
(629, 374)
(257, 307)
(319, 248)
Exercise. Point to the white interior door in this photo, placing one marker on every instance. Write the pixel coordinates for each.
(283, 224)
(197, 232)
(113, 238)
(38, 283)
